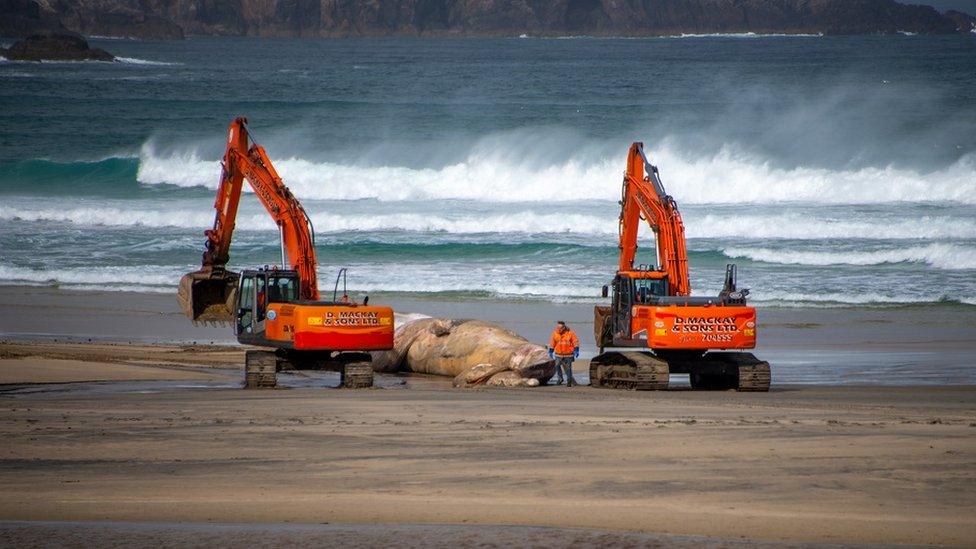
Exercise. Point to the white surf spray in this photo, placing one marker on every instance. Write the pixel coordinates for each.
(940, 256)
(504, 176)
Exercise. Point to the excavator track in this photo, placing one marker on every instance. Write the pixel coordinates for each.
(633, 371)
(753, 374)
(722, 371)
(754, 378)
(357, 375)
(260, 370)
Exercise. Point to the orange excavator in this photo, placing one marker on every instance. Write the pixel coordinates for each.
(652, 307)
(279, 307)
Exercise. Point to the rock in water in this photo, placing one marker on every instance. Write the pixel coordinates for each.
(55, 47)
(965, 23)
(471, 351)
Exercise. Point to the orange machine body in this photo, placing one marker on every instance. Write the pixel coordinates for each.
(333, 327)
(691, 327)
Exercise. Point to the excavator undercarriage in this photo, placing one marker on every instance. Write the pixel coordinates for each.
(261, 367)
(644, 371)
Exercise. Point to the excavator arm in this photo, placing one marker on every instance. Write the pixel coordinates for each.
(644, 198)
(209, 294)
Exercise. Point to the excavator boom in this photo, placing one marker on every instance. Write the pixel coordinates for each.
(209, 294)
(643, 197)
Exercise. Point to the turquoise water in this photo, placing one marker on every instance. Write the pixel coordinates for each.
(833, 170)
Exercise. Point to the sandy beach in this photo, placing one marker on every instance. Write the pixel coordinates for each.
(153, 436)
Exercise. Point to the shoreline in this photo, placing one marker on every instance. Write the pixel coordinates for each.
(919, 345)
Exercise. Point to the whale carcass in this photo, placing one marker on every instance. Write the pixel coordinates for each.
(473, 352)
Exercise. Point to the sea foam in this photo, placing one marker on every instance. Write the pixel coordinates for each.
(146, 276)
(808, 226)
(525, 220)
(136, 61)
(500, 176)
(940, 256)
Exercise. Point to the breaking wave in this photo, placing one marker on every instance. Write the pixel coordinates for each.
(809, 227)
(113, 176)
(724, 178)
(524, 221)
(673, 36)
(499, 176)
(143, 278)
(112, 217)
(516, 222)
(747, 35)
(940, 256)
(421, 280)
(135, 61)
(838, 299)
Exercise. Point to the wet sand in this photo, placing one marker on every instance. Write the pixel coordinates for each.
(894, 346)
(160, 435)
(421, 536)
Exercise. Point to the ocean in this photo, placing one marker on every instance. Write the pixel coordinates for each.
(835, 171)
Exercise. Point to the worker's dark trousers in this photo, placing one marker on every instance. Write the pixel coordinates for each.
(564, 365)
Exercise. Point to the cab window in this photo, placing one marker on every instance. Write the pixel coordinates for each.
(646, 289)
(245, 316)
(262, 297)
(282, 289)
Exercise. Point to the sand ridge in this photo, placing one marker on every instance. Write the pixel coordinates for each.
(62, 362)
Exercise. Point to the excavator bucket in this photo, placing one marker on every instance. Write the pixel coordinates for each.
(209, 297)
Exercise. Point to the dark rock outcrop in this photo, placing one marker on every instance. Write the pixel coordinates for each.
(964, 22)
(56, 47)
(171, 18)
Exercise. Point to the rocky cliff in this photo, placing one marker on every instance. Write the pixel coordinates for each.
(173, 18)
(115, 18)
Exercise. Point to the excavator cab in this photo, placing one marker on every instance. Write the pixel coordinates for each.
(641, 287)
(258, 289)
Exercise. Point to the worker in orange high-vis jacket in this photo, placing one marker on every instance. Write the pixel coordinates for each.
(564, 347)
